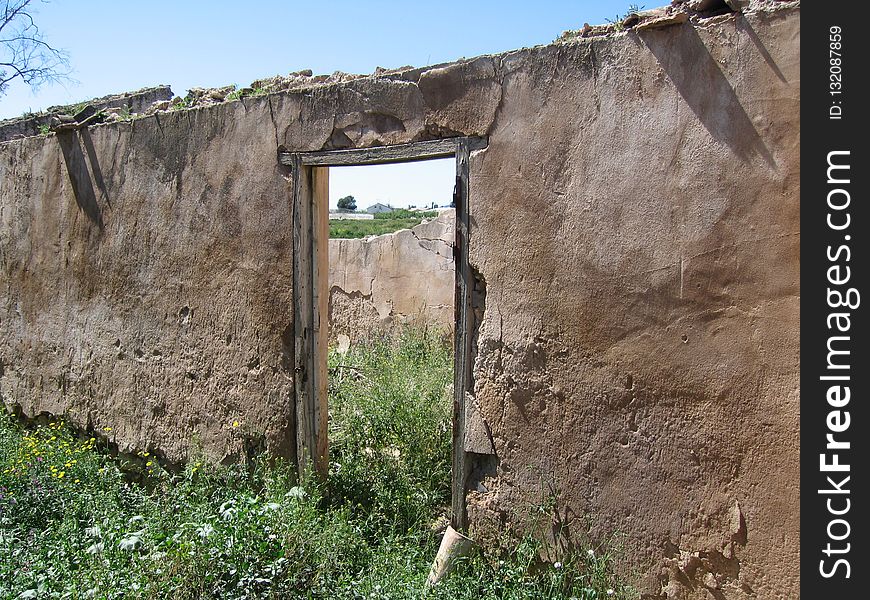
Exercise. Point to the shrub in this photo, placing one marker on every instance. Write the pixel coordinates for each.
(347, 203)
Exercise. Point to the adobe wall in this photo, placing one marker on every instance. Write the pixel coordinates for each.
(381, 283)
(146, 285)
(634, 228)
(133, 102)
(637, 229)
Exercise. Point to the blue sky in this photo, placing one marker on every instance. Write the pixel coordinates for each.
(117, 46)
(399, 185)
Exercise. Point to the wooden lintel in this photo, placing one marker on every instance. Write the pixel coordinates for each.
(384, 154)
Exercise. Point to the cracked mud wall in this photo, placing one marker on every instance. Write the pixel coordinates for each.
(381, 283)
(146, 282)
(637, 224)
(635, 218)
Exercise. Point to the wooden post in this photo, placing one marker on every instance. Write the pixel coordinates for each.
(310, 293)
(320, 319)
(462, 337)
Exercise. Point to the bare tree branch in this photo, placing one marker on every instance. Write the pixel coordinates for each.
(24, 54)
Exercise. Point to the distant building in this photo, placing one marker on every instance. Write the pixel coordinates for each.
(379, 208)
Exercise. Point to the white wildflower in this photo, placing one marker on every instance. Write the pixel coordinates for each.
(296, 492)
(93, 532)
(96, 548)
(131, 541)
(204, 530)
(271, 506)
(227, 510)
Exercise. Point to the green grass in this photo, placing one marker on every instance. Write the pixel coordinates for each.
(386, 222)
(73, 109)
(404, 213)
(246, 93)
(350, 228)
(78, 522)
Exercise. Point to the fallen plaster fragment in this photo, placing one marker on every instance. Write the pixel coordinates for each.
(453, 545)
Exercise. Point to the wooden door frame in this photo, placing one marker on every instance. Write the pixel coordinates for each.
(310, 205)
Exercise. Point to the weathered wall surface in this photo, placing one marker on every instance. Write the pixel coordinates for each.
(635, 227)
(134, 102)
(380, 283)
(146, 285)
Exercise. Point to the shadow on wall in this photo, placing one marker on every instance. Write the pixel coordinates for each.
(81, 178)
(701, 83)
(743, 25)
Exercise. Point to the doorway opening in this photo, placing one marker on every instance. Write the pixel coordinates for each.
(390, 250)
(312, 291)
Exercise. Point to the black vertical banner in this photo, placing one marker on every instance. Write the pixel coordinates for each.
(834, 262)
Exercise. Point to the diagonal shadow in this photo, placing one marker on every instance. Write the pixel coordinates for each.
(95, 164)
(743, 25)
(79, 177)
(706, 90)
